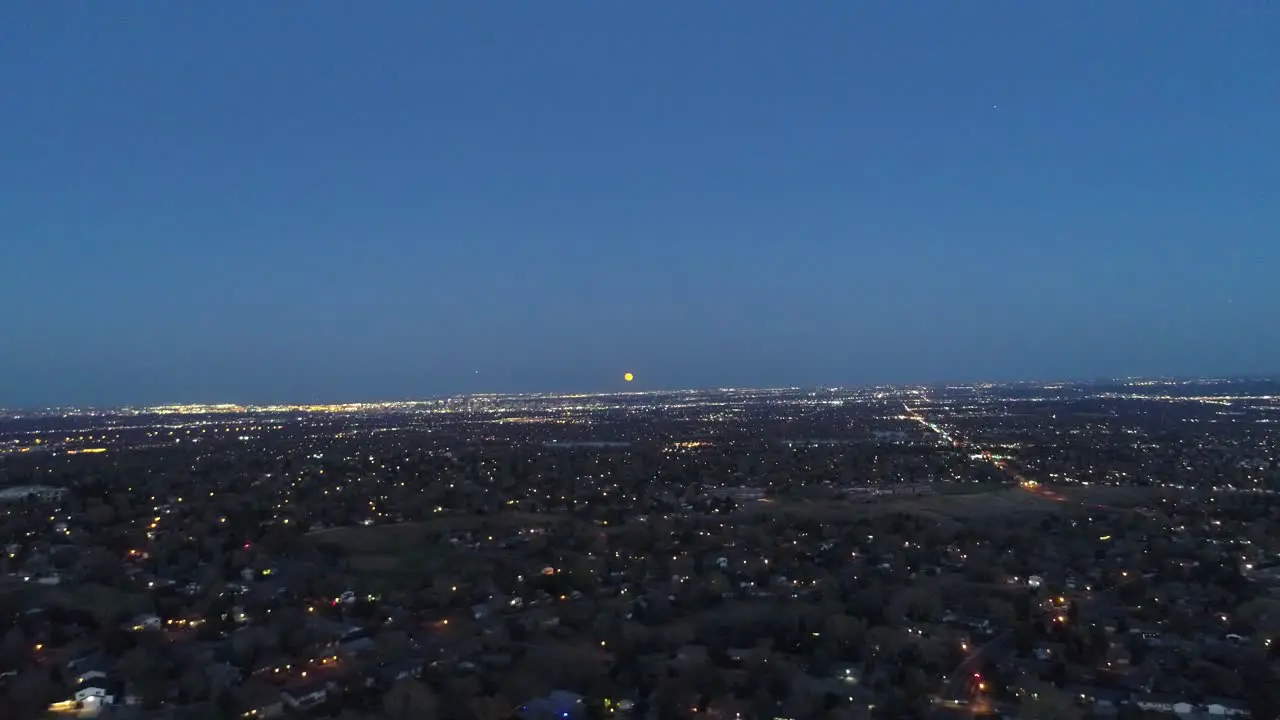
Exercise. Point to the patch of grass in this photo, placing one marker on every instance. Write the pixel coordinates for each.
(1006, 502)
(104, 602)
(377, 539)
(374, 563)
(991, 501)
(1116, 496)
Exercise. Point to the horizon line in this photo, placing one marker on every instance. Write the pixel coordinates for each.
(567, 393)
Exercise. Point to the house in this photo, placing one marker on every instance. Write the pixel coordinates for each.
(223, 674)
(1101, 698)
(690, 655)
(1226, 707)
(1048, 650)
(334, 631)
(257, 699)
(1162, 702)
(749, 654)
(407, 668)
(89, 699)
(357, 647)
(94, 692)
(95, 667)
(1136, 680)
(1148, 633)
(306, 694)
(21, 493)
(145, 622)
(90, 676)
(558, 705)
(848, 673)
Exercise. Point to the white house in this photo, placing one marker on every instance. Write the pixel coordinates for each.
(24, 492)
(144, 622)
(305, 695)
(94, 692)
(1160, 703)
(1222, 708)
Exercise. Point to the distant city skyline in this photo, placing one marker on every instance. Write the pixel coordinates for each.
(631, 389)
(249, 203)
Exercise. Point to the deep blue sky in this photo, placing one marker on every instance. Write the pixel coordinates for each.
(255, 201)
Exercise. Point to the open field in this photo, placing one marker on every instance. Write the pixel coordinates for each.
(1119, 497)
(388, 556)
(361, 539)
(107, 604)
(957, 507)
(415, 549)
(1016, 501)
(997, 502)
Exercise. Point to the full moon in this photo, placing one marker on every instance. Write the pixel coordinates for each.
(628, 377)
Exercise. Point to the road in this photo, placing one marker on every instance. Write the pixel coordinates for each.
(956, 686)
(1007, 468)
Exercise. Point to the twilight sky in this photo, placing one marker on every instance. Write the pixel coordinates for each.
(260, 201)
